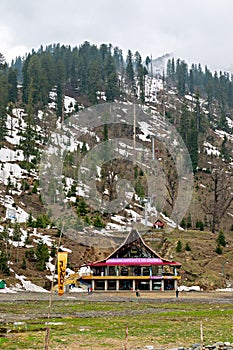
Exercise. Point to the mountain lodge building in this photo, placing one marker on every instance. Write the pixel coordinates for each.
(134, 265)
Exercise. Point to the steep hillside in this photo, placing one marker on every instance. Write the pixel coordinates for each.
(137, 147)
(201, 265)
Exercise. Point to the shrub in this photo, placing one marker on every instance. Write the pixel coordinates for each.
(87, 220)
(82, 207)
(4, 268)
(183, 223)
(179, 247)
(98, 222)
(218, 249)
(42, 221)
(34, 188)
(16, 232)
(30, 221)
(25, 185)
(187, 247)
(42, 255)
(221, 239)
(200, 225)
(24, 265)
(30, 255)
(53, 251)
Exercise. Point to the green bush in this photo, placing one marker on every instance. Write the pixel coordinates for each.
(30, 221)
(200, 225)
(4, 268)
(16, 232)
(98, 222)
(24, 265)
(42, 221)
(34, 188)
(218, 249)
(183, 223)
(30, 255)
(42, 255)
(53, 251)
(221, 241)
(179, 247)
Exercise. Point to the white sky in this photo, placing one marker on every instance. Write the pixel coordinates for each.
(194, 30)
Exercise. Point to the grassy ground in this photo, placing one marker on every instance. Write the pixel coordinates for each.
(89, 323)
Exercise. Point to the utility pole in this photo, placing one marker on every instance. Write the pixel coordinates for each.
(134, 127)
(153, 147)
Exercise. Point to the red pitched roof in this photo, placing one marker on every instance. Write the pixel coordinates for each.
(133, 236)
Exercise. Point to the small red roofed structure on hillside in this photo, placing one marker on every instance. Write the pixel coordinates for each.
(159, 224)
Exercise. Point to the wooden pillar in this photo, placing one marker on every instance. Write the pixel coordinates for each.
(93, 284)
(105, 284)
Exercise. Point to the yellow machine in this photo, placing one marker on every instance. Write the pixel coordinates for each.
(72, 279)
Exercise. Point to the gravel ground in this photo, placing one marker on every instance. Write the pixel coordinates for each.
(158, 297)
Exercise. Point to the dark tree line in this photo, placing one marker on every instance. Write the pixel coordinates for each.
(214, 87)
(8, 92)
(83, 70)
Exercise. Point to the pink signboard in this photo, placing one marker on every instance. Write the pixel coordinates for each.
(133, 261)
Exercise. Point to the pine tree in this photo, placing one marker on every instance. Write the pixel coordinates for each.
(42, 255)
(60, 82)
(130, 72)
(112, 83)
(3, 104)
(16, 232)
(225, 153)
(218, 249)
(179, 247)
(4, 268)
(181, 76)
(30, 221)
(221, 239)
(98, 222)
(28, 143)
(141, 72)
(82, 207)
(192, 144)
(24, 264)
(12, 86)
(93, 81)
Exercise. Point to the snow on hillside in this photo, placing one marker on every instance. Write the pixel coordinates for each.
(222, 134)
(15, 214)
(211, 150)
(229, 122)
(28, 285)
(69, 103)
(9, 155)
(152, 86)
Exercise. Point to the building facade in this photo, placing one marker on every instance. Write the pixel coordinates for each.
(134, 265)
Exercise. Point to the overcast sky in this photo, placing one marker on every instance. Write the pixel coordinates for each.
(194, 30)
